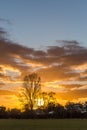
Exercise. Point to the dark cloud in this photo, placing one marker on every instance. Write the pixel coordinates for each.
(56, 60)
(75, 59)
(3, 34)
(67, 42)
(55, 51)
(56, 63)
(39, 53)
(83, 78)
(5, 20)
(59, 72)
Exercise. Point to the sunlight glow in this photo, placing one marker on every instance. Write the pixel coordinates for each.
(40, 102)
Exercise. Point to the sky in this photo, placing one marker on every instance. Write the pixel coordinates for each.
(37, 23)
(47, 37)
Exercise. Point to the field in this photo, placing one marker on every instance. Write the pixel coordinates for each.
(44, 124)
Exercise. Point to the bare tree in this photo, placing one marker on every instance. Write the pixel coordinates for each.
(31, 90)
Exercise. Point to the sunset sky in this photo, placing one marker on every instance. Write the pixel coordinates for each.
(48, 37)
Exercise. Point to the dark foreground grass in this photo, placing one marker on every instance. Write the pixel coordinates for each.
(44, 124)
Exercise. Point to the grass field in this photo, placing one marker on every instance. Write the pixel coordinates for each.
(44, 124)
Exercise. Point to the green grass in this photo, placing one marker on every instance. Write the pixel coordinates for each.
(44, 124)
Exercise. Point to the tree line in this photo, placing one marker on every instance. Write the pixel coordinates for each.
(52, 110)
(38, 104)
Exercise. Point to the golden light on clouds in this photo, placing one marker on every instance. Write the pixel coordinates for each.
(62, 68)
(80, 68)
(10, 101)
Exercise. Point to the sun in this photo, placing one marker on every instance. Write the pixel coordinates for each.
(40, 102)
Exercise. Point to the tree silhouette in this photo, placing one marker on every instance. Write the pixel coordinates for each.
(51, 97)
(45, 99)
(31, 90)
(48, 98)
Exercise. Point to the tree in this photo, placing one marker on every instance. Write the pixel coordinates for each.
(14, 113)
(48, 98)
(31, 90)
(51, 97)
(59, 111)
(3, 113)
(45, 99)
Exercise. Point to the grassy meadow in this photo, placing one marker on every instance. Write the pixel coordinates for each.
(44, 124)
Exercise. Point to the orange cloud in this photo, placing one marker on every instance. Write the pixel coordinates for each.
(62, 68)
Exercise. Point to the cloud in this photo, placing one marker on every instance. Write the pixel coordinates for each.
(62, 66)
(7, 92)
(53, 55)
(1, 84)
(71, 87)
(72, 42)
(3, 34)
(58, 61)
(5, 20)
